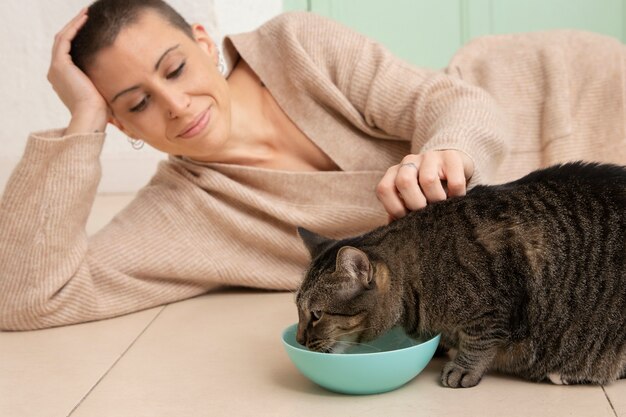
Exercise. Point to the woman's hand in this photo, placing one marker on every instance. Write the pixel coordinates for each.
(88, 108)
(425, 178)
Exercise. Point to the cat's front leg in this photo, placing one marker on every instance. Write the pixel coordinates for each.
(470, 364)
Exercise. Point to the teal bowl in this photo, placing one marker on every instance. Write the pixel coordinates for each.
(382, 365)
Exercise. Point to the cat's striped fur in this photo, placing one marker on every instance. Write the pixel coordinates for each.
(527, 277)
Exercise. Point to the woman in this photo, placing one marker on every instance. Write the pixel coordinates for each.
(310, 121)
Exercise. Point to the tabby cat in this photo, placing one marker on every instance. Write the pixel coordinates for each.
(527, 278)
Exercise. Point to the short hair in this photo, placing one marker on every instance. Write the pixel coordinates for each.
(108, 17)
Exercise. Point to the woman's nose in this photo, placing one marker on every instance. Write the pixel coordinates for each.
(176, 103)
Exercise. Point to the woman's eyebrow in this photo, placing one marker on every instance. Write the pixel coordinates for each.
(156, 68)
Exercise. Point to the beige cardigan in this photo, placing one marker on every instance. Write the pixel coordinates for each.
(198, 226)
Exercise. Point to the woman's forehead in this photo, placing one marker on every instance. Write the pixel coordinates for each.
(137, 50)
(149, 35)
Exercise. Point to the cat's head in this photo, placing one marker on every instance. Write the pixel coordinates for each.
(344, 298)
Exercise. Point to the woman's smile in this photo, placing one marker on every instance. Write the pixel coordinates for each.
(197, 125)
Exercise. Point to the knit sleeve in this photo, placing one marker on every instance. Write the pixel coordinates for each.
(51, 272)
(431, 109)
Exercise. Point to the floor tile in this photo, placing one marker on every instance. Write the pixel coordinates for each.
(616, 392)
(221, 355)
(47, 372)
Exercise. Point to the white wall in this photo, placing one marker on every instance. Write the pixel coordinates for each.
(28, 103)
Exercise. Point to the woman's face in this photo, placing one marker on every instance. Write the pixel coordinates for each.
(165, 88)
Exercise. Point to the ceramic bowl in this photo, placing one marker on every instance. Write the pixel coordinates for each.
(381, 365)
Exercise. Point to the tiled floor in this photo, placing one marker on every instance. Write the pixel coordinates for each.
(221, 355)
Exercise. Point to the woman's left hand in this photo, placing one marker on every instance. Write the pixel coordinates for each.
(424, 178)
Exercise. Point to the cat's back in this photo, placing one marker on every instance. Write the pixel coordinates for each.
(608, 175)
(560, 188)
(570, 176)
(564, 222)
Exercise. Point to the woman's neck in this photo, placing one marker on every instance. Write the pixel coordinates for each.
(252, 130)
(262, 134)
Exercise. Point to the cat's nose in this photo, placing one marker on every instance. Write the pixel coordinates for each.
(301, 336)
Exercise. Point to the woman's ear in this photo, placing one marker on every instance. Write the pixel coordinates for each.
(204, 41)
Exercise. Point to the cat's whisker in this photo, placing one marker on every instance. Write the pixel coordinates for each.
(353, 331)
(356, 344)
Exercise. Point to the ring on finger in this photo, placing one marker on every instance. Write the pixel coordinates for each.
(408, 164)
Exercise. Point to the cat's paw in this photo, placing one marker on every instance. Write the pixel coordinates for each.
(455, 376)
(557, 379)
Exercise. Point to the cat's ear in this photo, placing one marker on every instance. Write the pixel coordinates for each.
(314, 243)
(356, 264)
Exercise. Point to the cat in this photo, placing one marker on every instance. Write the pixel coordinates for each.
(526, 278)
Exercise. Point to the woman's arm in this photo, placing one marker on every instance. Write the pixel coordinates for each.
(454, 128)
(52, 273)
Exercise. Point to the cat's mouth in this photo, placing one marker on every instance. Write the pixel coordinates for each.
(322, 346)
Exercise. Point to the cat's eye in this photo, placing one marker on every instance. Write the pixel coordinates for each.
(316, 315)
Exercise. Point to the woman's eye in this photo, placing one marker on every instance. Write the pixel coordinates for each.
(139, 107)
(316, 315)
(176, 72)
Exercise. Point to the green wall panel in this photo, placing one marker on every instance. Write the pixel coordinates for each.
(506, 16)
(291, 5)
(428, 32)
(424, 32)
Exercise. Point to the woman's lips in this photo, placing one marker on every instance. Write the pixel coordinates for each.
(198, 124)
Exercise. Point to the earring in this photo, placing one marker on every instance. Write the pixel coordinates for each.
(221, 63)
(135, 143)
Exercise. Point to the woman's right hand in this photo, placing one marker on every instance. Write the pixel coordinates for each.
(88, 108)
(423, 179)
